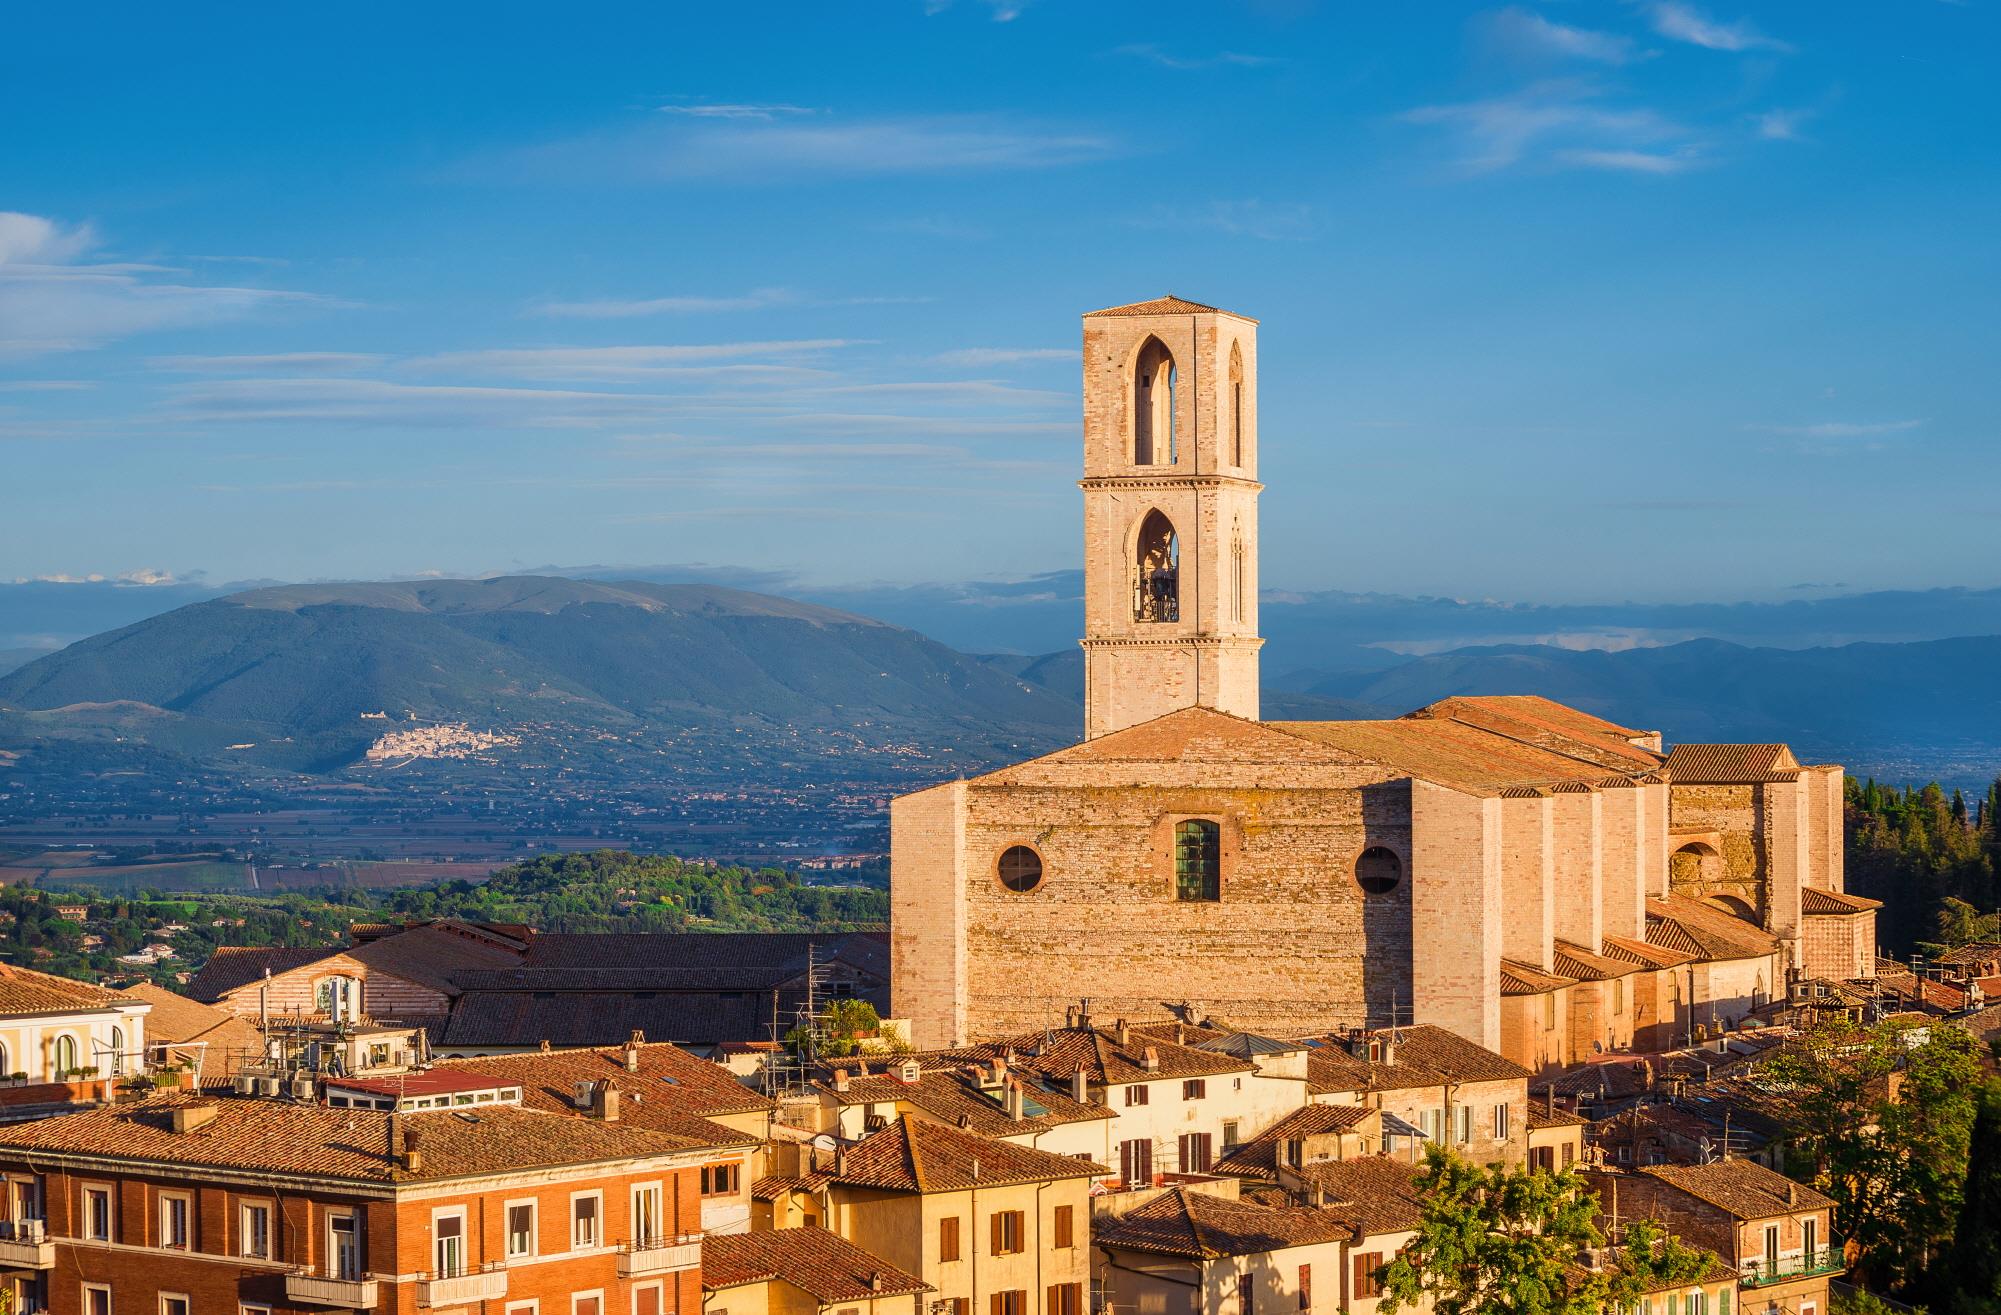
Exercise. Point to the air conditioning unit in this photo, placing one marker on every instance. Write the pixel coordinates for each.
(269, 1086)
(302, 1089)
(243, 1084)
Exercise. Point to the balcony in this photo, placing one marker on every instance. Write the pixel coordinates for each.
(444, 1290)
(659, 1255)
(305, 1288)
(1809, 1264)
(25, 1244)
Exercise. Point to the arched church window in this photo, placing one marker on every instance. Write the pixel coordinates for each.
(1378, 871)
(1020, 869)
(1157, 580)
(1237, 573)
(1198, 860)
(1153, 405)
(1236, 405)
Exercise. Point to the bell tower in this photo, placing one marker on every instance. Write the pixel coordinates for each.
(1170, 513)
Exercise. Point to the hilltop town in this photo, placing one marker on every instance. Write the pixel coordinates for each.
(1206, 1015)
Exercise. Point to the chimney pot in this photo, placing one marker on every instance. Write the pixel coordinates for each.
(840, 1079)
(1119, 1031)
(1151, 1060)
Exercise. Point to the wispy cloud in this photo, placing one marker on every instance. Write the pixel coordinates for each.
(1844, 428)
(44, 385)
(1002, 11)
(1782, 125)
(1525, 33)
(144, 577)
(1004, 355)
(1245, 218)
(381, 404)
(1221, 59)
(684, 148)
(54, 298)
(613, 309)
(1684, 22)
(635, 362)
(763, 113)
(278, 362)
(1562, 124)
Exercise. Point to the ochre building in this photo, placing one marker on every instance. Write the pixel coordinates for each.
(1539, 880)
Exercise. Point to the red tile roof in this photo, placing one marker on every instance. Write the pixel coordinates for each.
(1744, 1189)
(1372, 1195)
(913, 1155)
(1527, 979)
(1258, 1157)
(25, 991)
(1814, 900)
(1203, 1227)
(820, 1263)
(1574, 960)
(1168, 305)
(1731, 764)
(1691, 925)
(1424, 1055)
(672, 1090)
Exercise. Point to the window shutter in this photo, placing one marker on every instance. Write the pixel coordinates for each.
(997, 1233)
(1062, 1225)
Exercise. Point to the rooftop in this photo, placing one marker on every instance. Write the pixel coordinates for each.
(1168, 305)
(1423, 1055)
(1372, 1195)
(1258, 1157)
(1731, 764)
(1741, 1188)
(25, 991)
(1204, 1227)
(815, 1260)
(915, 1155)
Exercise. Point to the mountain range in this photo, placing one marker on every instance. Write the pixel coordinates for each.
(305, 678)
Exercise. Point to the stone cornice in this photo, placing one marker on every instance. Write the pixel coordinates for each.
(1180, 641)
(1092, 483)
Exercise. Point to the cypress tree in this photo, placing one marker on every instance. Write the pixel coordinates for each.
(1972, 1273)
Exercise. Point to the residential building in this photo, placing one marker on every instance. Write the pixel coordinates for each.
(64, 1043)
(803, 1271)
(1451, 1090)
(985, 1223)
(1189, 1252)
(206, 1205)
(1377, 1199)
(182, 1032)
(401, 974)
(1775, 1233)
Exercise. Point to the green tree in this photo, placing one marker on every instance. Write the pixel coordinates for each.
(1885, 1113)
(1970, 1279)
(1502, 1240)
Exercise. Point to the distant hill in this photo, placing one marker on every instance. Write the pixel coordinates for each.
(308, 676)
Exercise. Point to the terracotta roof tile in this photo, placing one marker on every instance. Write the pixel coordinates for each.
(1258, 1157)
(1547, 724)
(1058, 1053)
(1573, 960)
(1742, 1188)
(1681, 923)
(1527, 979)
(1814, 900)
(268, 1136)
(25, 991)
(1168, 305)
(1646, 953)
(1373, 1194)
(1453, 753)
(914, 1155)
(816, 1261)
(671, 1090)
(1425, 1055)
(954, 1094)
(1730, 764)
(1203, 1227)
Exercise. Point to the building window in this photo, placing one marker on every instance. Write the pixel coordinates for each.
(1153, 404)
(1237, 573)
(1247, 1290)
(97, 1214)
(1157, 582)
(1810, 1238)
(253, 1230)
(648, 1215)
(1306, 1287)
(1136, 1162)
(1236, 404)
(721, 1179)
(1618, 995)
(587, 1303)
(1195, 1152)
(1136, 1094)
(532, 1306)
(175, 1303)
(96, 1299)
(1367, 1279)
(1549, 1010)
(1502, 1125)
(1020, 869)
(1194, 1089)
(1008, 1232)
(948, 1238)
(1198, 860)
(344, 1245)
(1230, 1134)
(1063, 1227)
(1014, 1301)
(647, 1300)
(1378, 870)
(174, 1220)
(585, 1210)
(1462, 1124)
(65, 1052)
(117, 1052)
(448, 1244)
(1066, 1299)
(520, 1229)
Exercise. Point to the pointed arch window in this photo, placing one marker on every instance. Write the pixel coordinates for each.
(1237, 573)
(1157, 573)
(1153, 405)
(1236, 405)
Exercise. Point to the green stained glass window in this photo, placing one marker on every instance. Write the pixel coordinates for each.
(1198, 860)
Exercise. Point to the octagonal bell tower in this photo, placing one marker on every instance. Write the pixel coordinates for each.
(1170, 513)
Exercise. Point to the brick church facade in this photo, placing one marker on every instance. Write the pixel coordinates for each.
(1537, 879)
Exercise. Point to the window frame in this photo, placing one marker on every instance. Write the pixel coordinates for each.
(1007, 1233)
(439, 1214)
(507, 1209)
(162, 1200)
(732, 1170)
(97, 1289)
(1198, 875)
(109, 1192)
(244, 1205)
(1137, 1094)
(950, 1249)
(187, 1303)
(656, 1189)
(596, 1197)
(1194, 1089)
(658, 1288)
(1063, 1228)
(577, 1300)
(353, 1216)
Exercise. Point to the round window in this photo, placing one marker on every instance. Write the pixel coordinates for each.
(1378, 871)
(1020, 869)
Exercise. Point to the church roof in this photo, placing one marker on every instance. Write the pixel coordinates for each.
(1452, 753)
(1547, 724)
(1731, 764)
(1814, 900)
(1168, 305)
(1681, 923)
(1194, 736)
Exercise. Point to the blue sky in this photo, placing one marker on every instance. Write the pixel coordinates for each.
(1561, 301)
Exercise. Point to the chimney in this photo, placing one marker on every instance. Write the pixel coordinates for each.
(875, 1280)
(1120, 1034)
(1792, 1193)
(604, 1102)
(413, 1153)
(545, 1045)
(1080, 1088)
(1180, 1035)
(840, 1158)
(1014, 1100)
(187, 1118)
(1070, 1015)
(632, 1045)
(1151, 1060)
(840, 1080)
